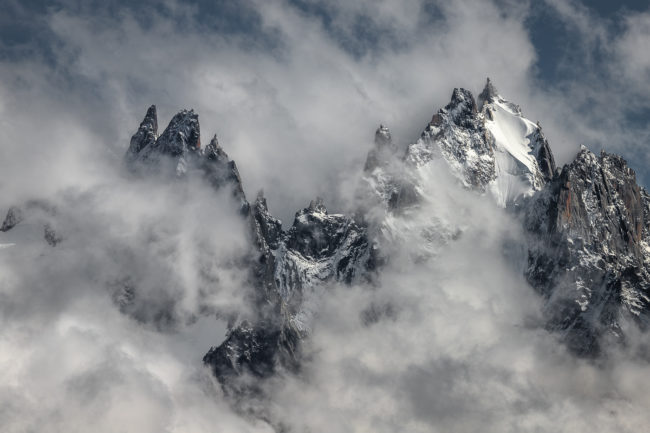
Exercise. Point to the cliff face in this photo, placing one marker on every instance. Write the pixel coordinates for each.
(588, 253)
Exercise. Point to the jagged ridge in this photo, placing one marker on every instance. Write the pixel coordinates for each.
(587, 227)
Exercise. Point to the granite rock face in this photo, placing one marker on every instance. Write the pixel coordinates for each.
(589, 254)
(457, 133)
(286, 268)
(146, 135)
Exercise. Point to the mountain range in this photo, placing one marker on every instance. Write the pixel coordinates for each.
(584, 244)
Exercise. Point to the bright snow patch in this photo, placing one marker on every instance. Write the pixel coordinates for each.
(515, 165)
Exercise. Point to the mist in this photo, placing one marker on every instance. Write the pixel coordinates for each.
(451, 338)
(106, 330)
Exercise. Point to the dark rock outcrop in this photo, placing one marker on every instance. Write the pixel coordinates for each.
(457, 134)
(146, 135)
(588, 252)
(39, 212)
(181, 136)
(489, 94)
(542, 152)
(317, 249)
(13, 217)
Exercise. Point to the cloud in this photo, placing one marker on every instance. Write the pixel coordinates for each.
(294, 116)
(106, 330)
(92, 368)
(455, 341)
(600, 98)
(295, 98)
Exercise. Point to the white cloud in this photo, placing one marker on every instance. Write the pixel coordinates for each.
(458, 342)
(600, 99)
(295, 117)
(298, 118)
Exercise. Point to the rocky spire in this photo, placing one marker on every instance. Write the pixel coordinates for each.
(317, 205)
(145, 136)
(488, 94)
(214, 151)
(462, 106)
(457, 134)
(269, 228)
(383, 137)
(382, 150)
(183, 134)
(543, 154)
(588, 256)
(178, 150)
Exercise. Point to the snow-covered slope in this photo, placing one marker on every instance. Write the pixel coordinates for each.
(514, 142)
(493, 148)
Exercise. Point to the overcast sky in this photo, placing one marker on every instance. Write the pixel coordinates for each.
(294, 90)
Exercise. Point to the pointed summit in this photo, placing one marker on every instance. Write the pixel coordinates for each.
(488, 94)
(462, 103)
(461, 109)
(214, 151)
(151, 118)
(214, 143)
(317, 206)
(267, 229)
(384, 148)
(182, 134)
(146, 134)
(383, 137)
(542, 151)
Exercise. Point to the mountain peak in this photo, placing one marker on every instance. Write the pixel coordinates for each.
(214, 151)
(182, 134)
(151, 118)
(317, 206)
(380, 153)
(214, 142)
(462, 102)
(146, 134)
(461, 109)
(488, 94)
(382, 136)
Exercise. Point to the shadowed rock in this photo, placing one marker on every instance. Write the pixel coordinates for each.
(589, 252)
